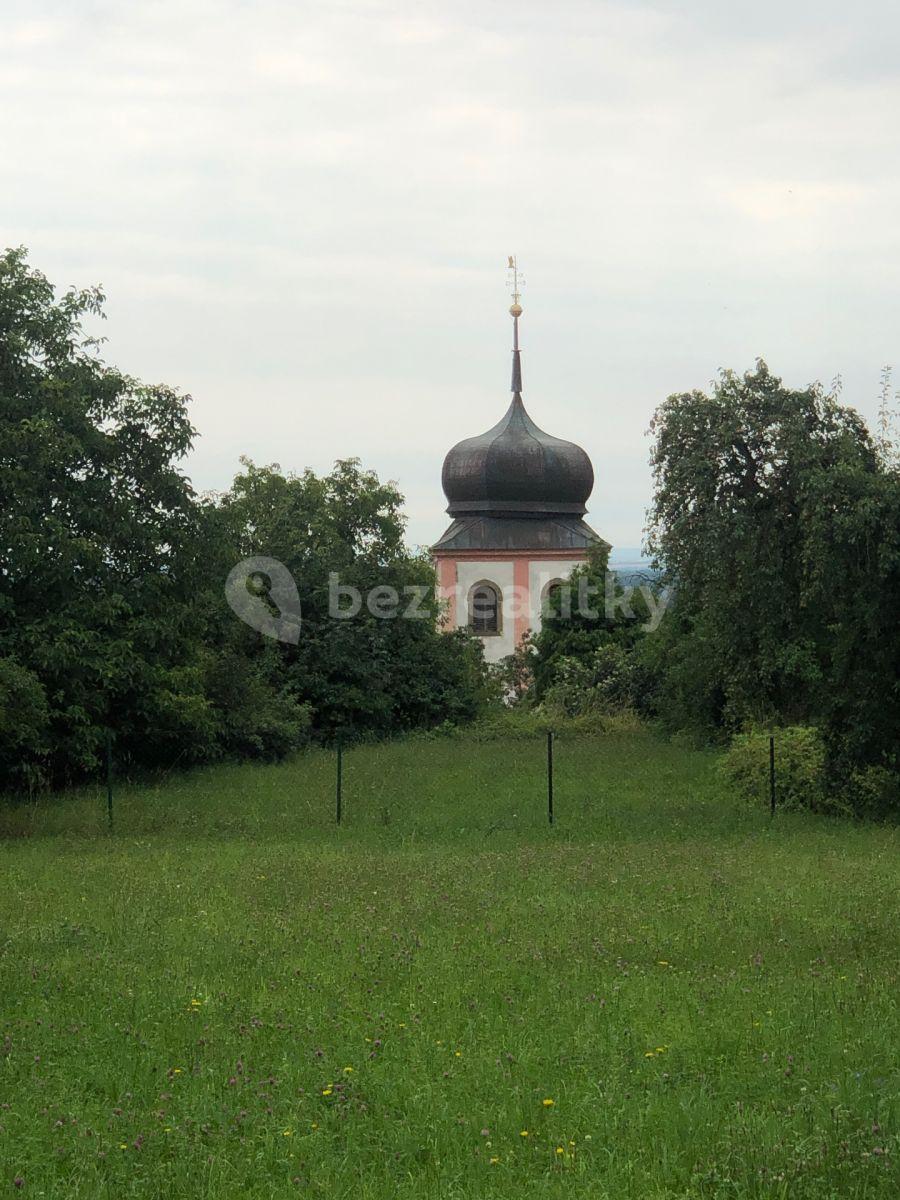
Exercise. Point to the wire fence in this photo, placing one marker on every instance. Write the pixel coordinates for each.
(339, 779)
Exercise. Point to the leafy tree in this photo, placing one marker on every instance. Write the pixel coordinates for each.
(362, 673)
(112, 573)
(99, 539)
(593, 611)
(776, 517)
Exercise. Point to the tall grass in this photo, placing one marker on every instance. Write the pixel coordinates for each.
(229, 996)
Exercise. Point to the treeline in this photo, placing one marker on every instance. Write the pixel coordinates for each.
(113, 617)
(776, 522)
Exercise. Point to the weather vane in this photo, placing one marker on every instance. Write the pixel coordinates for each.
(515, 310)
(516, 281)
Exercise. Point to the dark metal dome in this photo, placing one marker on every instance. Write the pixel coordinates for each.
(516, 468)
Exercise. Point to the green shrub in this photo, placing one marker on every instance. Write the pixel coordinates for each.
(874, 792)
(609, 680)
(525, 723)
(799, 767)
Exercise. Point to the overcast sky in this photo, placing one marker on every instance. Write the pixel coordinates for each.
(301, 213)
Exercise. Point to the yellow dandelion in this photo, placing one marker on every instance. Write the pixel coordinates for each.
(662, 962)
(348, 1070)
(650, 1054)
(326, 1091)
(402, 1025)
(123, 1146)
(523, 1133)
(176, 1070)
(494, 1161)
(560, 1150)
(315, 1124)
(287, 1133)
(548, 1103)
(457, 1053)
(571, 1143)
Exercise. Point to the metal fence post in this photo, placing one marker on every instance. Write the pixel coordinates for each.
(109, 779)
(550, 776)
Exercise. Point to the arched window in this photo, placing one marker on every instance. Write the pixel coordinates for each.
(485, 608)
(556, 599)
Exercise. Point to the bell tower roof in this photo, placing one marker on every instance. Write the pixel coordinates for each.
(515, 467)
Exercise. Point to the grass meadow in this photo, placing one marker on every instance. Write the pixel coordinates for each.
(666, 994)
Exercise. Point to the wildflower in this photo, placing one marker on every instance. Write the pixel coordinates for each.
(287, 1133)
(402, 1025)
(176, 1070)
(348, 1070)
(457, 1053)
(560, 1150)
(327, 1091)
(123, 1146)
(196, 1003)
(523, 1133)
(650, 1054)
(548, 1103)
(494, 1161)
(315, 1124)
(662, 962)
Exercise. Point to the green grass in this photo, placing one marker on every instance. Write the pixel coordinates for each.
(229, 997)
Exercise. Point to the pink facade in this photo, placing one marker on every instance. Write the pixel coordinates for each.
(520, 578)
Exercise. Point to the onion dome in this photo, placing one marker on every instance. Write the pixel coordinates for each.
(516, 468)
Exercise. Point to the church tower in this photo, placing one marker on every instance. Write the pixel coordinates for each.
(517, 497)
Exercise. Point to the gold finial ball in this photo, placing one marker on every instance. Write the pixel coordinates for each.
(515, 310)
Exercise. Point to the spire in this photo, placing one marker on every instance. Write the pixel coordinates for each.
(515, 309)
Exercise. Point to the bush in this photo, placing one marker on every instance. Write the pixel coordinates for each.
(609, 680)
(799, 766)
(525, 723)
(874, 792)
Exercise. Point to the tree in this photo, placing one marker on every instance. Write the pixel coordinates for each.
(775, 517)
(588, 614)
(99, 540)
(359, 672)
(112, 572)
